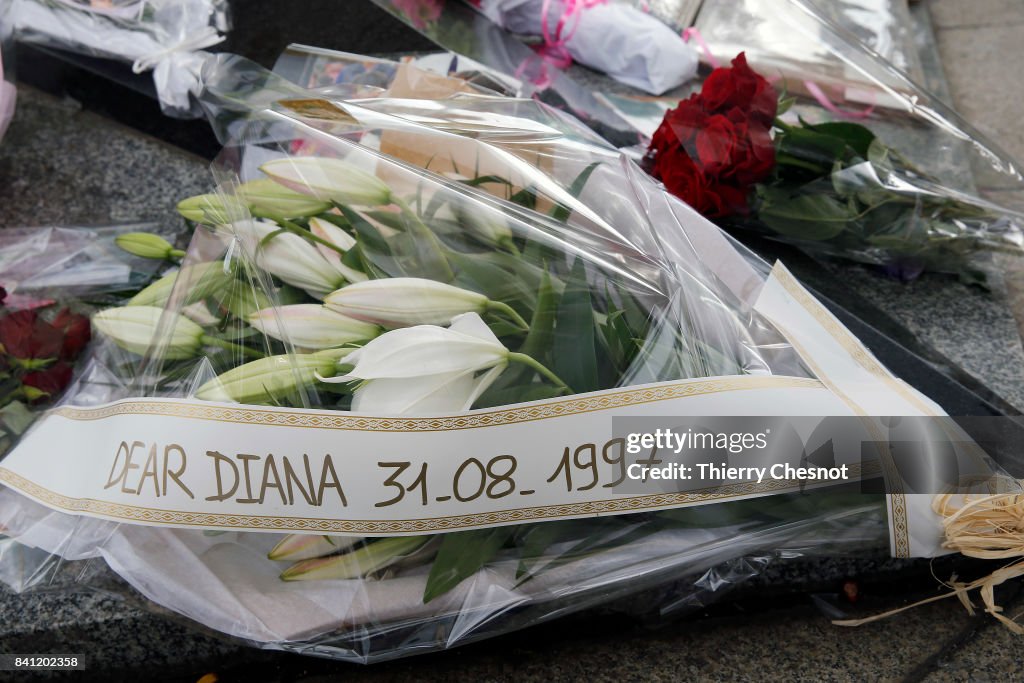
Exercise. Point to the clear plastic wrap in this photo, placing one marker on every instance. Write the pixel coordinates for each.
(869, 165)
(410, 255)
(862, 163)
(165, 36)
(52, 279)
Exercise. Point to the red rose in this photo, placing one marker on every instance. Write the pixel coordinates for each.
(713, 147)
(687, 119)
(757, 158)
(24, 335)
(723, 199)
(76, 331)
(716, 145)
(51, 381)
(680, 175)
(740, 86)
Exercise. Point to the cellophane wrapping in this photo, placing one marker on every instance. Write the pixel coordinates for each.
(165, 36)
(550, 243)
(862, 162)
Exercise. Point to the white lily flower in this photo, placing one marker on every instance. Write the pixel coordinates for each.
(311, 326)
(329, 180)
(450, 392)
(290, 258)
(403, 301)
(135, 328)
(467, 346)
(330, 232)
(426, 369)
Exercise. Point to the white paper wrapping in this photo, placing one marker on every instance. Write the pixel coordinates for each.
(629, 45)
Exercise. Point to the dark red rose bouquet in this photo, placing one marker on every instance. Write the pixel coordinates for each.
(57, 278)
(38, 349)
(832, 188)
(714, 147)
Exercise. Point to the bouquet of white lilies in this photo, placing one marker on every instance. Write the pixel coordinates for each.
(374, 404)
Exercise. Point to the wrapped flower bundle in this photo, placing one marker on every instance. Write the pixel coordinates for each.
(833, 187)
(166, 37)
(400, 388)
(51, 280)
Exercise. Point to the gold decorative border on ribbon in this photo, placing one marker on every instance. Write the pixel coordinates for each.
(324, 419)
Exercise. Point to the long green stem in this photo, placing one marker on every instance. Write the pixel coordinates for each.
(543, 371)
(244, 350)
(295, 228)
(505, 309)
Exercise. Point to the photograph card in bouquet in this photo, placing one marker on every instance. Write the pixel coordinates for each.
(390, 395)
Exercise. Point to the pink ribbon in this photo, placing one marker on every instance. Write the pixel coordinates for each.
(694, 32)
(830, 106)
(554, 51)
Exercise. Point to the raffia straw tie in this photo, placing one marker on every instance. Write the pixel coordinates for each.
(987, 527)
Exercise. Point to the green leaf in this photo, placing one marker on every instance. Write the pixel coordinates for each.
(369, 236)
(813, 217)
(561, 213)
(487, 277)
(574, 353)
(461, 555)
(484, 179)
(390, 219)
(526, 197)
(533, 540)
(542, 326)
(809, 146)
(858, 137)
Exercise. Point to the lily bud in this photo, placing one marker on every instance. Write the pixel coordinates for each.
(212, 209)
(267, 379)
(135, 328)
(330, 180)
(352, 565)
(203, 280)
(290, 258)
(330, 232)
(277, 199)
(403, 301)
(146, 245)
(305, 547)
(311, 326)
